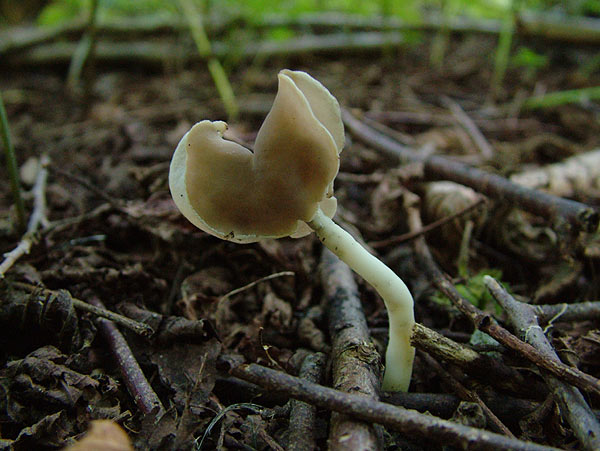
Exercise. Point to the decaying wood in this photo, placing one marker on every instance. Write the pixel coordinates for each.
(356, 365)
(578, 215)
(302, 415)
(572, 404)
(574, 176)
(425, 428)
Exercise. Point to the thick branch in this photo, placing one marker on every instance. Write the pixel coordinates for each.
(578, 215)
(412, 424)
(572, 405)
(566, 29)
(481, 366)
(356, 365)
(157, 53)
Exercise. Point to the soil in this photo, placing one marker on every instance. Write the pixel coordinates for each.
(116, 237)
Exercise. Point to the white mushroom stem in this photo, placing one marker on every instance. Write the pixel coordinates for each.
(398, 300)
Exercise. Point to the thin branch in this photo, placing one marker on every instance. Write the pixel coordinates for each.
(139, 388)
(356, 364)
(254, 283)
(578, 215)
(428, 228)
(37, 219)
(303, 416)
(135, 326)
(577, 30)
(481, 366)
(159, 53)
(412, 424)
(444, 405)
(467, 395)
(572, 404)
(581, 311)
(469, 125)
(86, 184)
(487, 323)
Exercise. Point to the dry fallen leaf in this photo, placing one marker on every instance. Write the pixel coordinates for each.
(103, 435)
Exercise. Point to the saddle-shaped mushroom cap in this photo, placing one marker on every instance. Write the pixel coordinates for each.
(228, 191)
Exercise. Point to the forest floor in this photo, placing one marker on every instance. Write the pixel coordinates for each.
(112, 236)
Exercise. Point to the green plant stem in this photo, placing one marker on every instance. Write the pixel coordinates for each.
(439, 45)
(85, 49)
(557, 98)
(11, 165)
(503, 50)
(215, 68)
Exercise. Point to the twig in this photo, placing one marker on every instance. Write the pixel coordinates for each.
(168, 329)
(481, 366)
(581, 311)
(444, 405)
(467, 395)
(577, 30)
(38, 216)
(576, 214)
(469, 125)
(572, 404)
(428, 228)
(356, 364)
(135, 326)
(137, 384)
(157, 53)
(438, 118)
(37, 219)
(412, 424)
(488, 324)
(302, 415)
(88, 185)
(253, 283)
(11, 166)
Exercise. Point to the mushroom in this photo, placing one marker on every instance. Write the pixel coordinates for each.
(285, 188)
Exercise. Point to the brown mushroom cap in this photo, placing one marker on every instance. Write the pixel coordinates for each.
(228, 191)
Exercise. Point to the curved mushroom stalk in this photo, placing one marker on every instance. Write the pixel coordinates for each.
(285, 188)
(398, 300)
